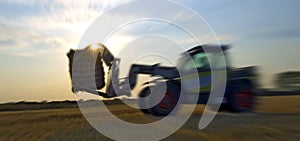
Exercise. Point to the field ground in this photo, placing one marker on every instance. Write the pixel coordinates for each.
(276, 118)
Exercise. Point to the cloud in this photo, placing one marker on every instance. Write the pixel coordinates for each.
(62, 22)
(208, 39)
(291, 32)
(23, 2)
(58, 28)
(117, 42)
(22, 54)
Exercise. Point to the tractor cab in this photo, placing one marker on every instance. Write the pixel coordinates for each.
(198, 57)
(198, 63)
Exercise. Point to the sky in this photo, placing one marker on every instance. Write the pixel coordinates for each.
(36, 34)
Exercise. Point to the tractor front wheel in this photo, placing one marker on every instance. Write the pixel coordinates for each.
(164, 107)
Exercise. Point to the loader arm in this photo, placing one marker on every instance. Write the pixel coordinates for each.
(167, 73)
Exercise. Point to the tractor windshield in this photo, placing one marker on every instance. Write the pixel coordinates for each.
(201, 61)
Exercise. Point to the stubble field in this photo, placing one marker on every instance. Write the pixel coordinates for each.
(275, 118)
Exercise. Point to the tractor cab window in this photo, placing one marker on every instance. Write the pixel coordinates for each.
(201, 60)
(198, 60)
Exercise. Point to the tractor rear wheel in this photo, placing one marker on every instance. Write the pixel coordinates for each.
(242, 97)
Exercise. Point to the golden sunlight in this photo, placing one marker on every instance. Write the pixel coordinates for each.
(94, 46)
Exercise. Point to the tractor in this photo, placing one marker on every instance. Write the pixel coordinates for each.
(239, 95)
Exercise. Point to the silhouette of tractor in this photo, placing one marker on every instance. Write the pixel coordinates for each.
(240, 84)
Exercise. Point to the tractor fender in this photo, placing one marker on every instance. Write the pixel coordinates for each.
(231, 85)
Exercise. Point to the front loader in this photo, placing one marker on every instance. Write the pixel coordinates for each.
(239, 92)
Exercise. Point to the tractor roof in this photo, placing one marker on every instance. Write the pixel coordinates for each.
(199, 49)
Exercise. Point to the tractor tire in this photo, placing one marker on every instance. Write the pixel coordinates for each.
(144, 93)
(222, 108)
(165, 106)
(242, 97)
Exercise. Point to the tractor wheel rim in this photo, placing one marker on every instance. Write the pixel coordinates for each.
(168, 102)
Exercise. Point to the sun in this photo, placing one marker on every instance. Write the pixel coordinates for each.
(94, 46)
